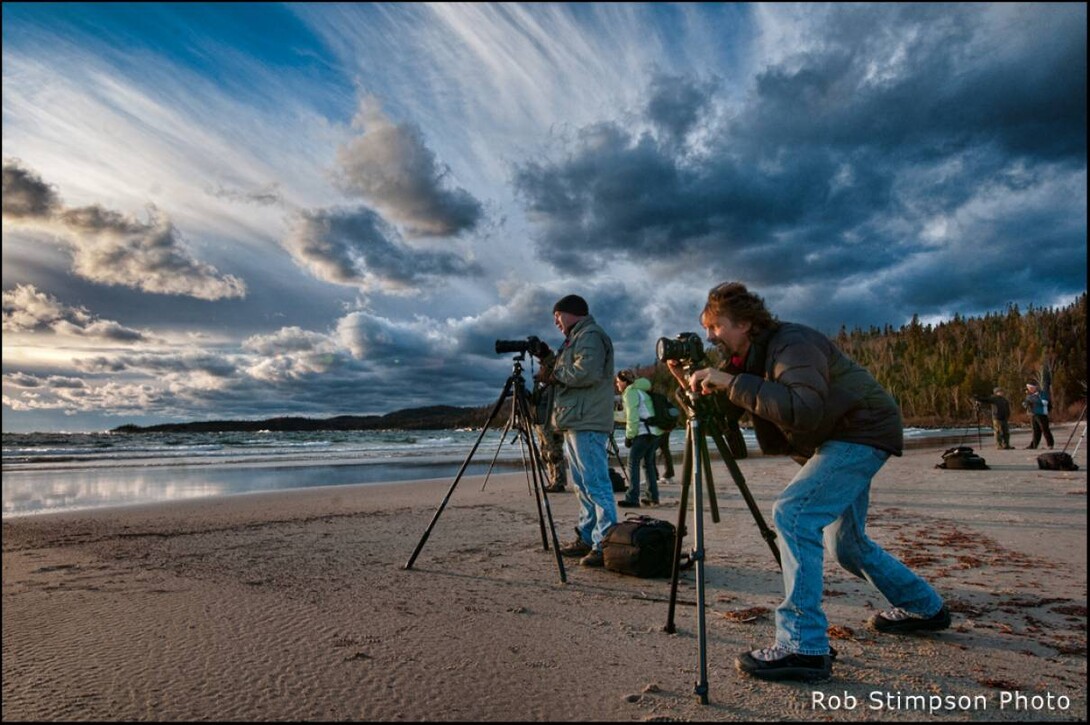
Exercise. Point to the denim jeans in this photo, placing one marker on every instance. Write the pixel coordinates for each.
(643, 454)
(589, 468)
(825, 509)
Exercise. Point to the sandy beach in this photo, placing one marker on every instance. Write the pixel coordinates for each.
(295, 605)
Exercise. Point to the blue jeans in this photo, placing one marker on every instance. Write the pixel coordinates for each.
(643, 454)
(830, 494)
(589, 468)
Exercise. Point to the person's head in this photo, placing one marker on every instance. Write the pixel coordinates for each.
(1031, 386)
(997, 391)
(733, 317)
(624, 379)
(568, 311)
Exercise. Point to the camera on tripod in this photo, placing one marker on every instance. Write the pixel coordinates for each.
(531, 344)
(686, 348)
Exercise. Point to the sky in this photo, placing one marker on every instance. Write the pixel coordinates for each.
(240, 211)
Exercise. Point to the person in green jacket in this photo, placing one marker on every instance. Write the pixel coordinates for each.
(581, 373)
(641, 437)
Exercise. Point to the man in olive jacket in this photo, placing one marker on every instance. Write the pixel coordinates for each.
(581, 374)
(810, 401)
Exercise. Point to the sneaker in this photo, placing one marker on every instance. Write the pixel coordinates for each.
(593, 558)
(776, 663)
(575, 548)
(898, 621)
(626, 504)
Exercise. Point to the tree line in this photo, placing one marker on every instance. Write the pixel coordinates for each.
(935, 372)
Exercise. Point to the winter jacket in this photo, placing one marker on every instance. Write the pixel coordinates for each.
(801, 391)
(582, 374)
(638, 408)
(1001, 407)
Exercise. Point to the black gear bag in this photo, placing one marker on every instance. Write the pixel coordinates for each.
(640, 546)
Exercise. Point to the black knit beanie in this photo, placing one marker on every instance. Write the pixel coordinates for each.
(573, 305)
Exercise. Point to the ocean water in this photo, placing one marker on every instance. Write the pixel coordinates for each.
(52, 472)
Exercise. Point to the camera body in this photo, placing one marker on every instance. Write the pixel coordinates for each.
(686, 348)
(531, 344)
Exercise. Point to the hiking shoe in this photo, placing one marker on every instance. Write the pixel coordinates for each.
(898, 621)
(594, 558)
(575, 548)
(776, 663)
(626, 504)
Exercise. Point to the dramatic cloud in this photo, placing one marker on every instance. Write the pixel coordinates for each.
(355, 247)
(28, 310)
(26, 196)
(392, 169)
(849, 160)
(113, 248)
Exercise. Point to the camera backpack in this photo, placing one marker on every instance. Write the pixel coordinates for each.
(962, 458)
(640, 546)
(1056, 461)
(664, 413)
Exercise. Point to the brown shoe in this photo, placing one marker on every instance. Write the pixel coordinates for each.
(575, 548)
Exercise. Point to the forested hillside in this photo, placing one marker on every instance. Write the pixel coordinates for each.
(934, 371)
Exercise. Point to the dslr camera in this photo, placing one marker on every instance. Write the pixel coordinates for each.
(687, 348)
(532, 344)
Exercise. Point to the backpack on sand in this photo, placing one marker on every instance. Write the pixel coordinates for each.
(962, 458)
(664, 413)
(640, 546)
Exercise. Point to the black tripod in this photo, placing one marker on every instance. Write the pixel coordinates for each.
(519, 420)
(696, 469)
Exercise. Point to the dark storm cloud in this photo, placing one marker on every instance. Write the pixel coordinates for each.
(112, 248)
(676, 104)
(394, 171)
(355, 247)
(888, 159)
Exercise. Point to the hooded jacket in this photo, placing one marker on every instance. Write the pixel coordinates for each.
(801, 391)
(582, 376)
(638, 408)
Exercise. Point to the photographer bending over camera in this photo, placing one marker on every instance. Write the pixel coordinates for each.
(581, 373)
(808, 400)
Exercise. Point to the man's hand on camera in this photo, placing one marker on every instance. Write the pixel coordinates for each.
(627, 442)
(709, 380)
(539, 348)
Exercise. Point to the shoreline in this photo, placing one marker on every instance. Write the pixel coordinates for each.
(295, 604)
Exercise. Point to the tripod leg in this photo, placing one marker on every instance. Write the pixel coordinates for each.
(701, 688)
(537, 471)
(705, 458)
(617, 452)
(686, 480)
(462, 470)
(503, 437)
(767, 533)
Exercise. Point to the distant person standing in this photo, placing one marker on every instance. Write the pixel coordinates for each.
(1036, 403)
(640, 436)
(1001, 414)
(581, 373)
(550, 441)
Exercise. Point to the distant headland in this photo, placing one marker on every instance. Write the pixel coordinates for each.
(435, 417)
